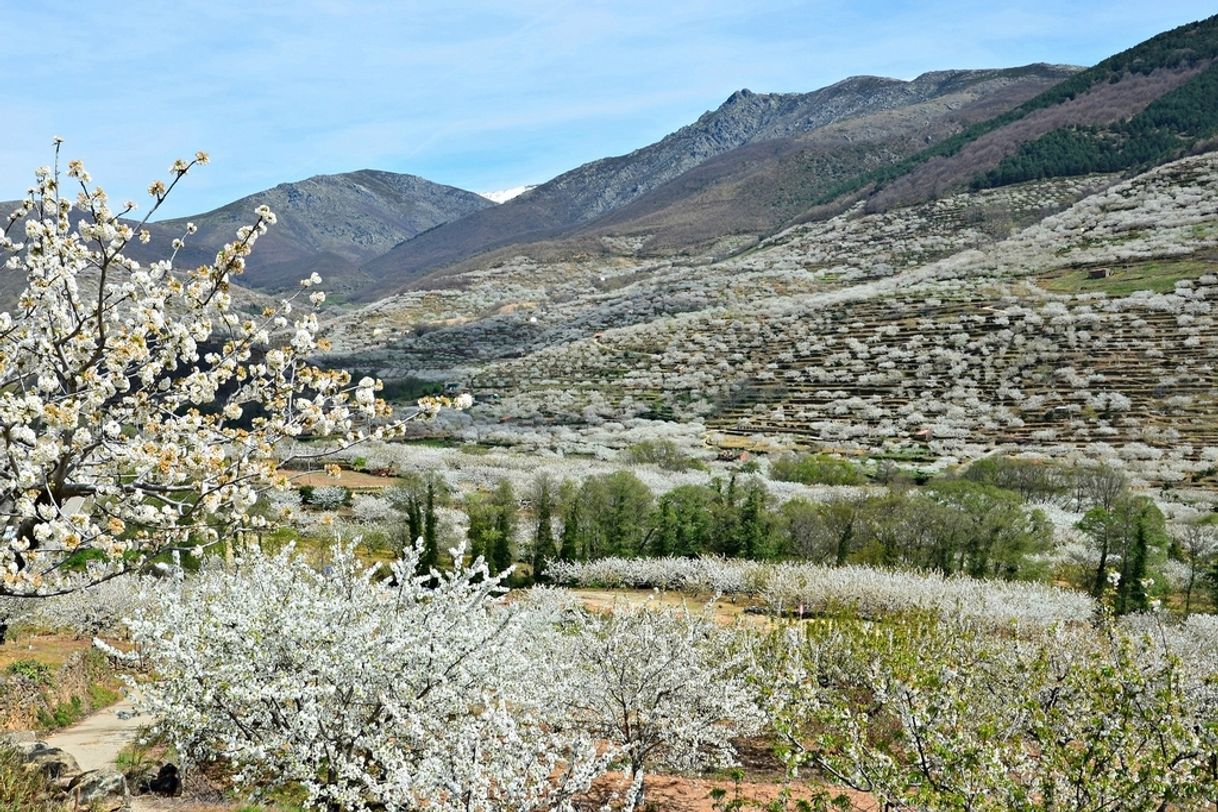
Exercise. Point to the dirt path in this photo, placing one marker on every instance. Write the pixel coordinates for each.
(96, 741)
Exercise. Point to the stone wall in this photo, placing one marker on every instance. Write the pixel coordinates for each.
(24, 695)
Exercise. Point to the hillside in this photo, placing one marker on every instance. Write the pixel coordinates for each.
(1138, 108)
(933, 332)
(753, 190)
(745, 118)
(328, 223)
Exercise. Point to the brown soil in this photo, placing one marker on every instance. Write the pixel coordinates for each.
(672, 793)
(51, 649)
(723, 611)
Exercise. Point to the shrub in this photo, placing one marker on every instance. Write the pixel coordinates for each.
(64, 714)
(664, 454)
(330, 497)
(816, 469)
(34, 671)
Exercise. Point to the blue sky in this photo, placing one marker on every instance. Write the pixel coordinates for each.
(482, 95)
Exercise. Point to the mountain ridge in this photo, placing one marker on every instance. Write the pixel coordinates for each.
(328, 223)
(600, 186)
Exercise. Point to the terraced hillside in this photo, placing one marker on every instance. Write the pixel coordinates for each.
(934, 332)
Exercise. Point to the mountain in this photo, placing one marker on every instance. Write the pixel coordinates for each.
(597, 188)
(911, 142)
(1134, 110)
(753, 190)
(328, 223)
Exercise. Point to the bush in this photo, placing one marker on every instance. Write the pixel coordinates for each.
(62, 715)
(664, 454)
(330, 497)
(32, 670)
(816, 469)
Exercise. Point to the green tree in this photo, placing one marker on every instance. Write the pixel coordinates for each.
(429, 558)
(544, 550)
(417, 498)
(987, 531)
(504, 503)
(482, 532)
(816, 469)
(1133, 533)
(753, 521)
(726, 538)
(682, 523)
(615, 511)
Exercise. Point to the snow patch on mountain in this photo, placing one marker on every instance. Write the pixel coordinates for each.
(505, 195)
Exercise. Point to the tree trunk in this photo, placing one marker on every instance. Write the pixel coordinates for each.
(636, 794)
(1097, 590)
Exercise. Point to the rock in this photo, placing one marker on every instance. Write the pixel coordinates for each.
(56, 764)
(23, 740)
(98, 785)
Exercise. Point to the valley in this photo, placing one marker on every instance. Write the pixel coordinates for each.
(852, 448)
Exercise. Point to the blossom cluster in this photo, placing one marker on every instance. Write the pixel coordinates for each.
(141, 408)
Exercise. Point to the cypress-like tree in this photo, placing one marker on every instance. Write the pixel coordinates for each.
(543, 536)
(481, 531)
(504, 502)
(753, 527)
(1132, 596)
(571, 549)
(727, 517)
(430, 556)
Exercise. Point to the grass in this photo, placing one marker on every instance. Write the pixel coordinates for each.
(20, 788)
(1159, 276)
(102, 695)
(61, 715)
(140, 761)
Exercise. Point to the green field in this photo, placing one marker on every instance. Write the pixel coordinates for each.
(1159, 276)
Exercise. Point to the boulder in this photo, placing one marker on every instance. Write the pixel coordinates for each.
(96, 786)
(56, 764)
(20, 739)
